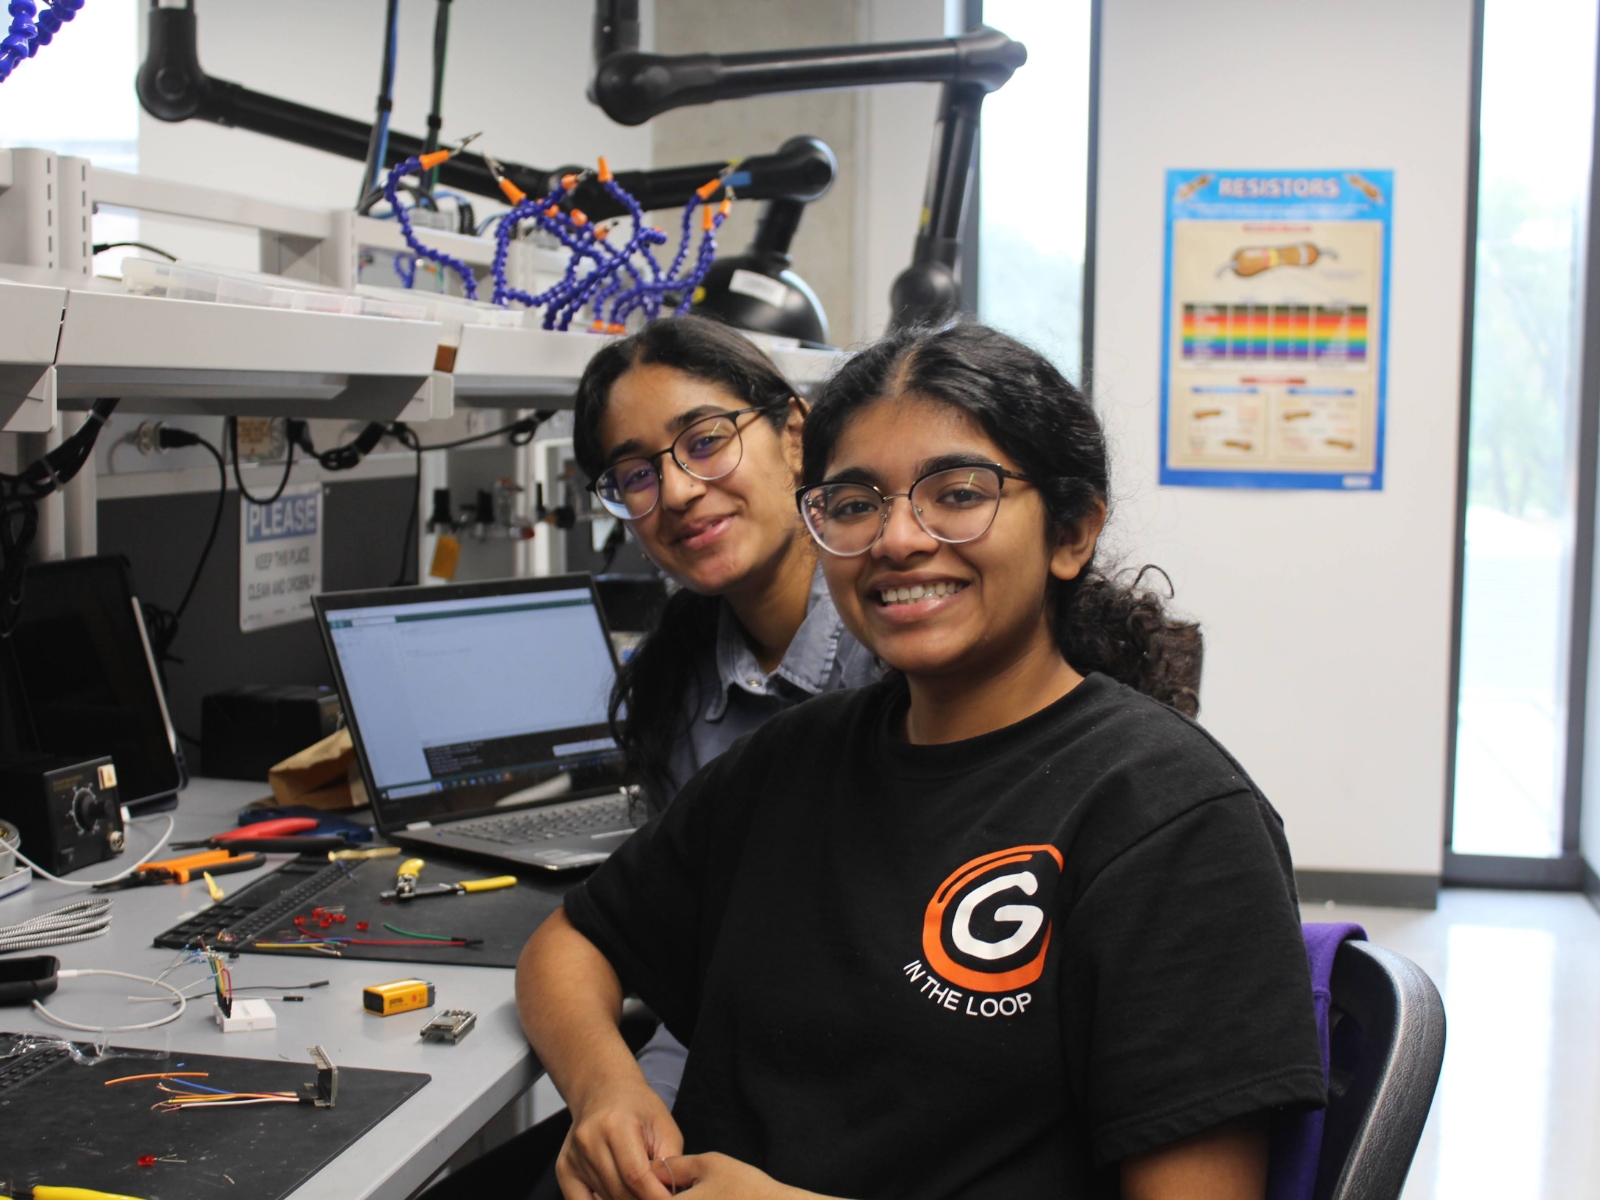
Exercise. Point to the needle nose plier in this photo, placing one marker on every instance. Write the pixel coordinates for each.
(406, 888)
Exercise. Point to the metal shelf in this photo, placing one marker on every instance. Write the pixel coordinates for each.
(521, 368)
(537, 368)
(187, 356)
(30, 322)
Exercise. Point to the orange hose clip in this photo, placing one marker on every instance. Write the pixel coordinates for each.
(568, 182)
(434, 158)
(600, 232)
(706, 191)
(512, 192)
(726, 207)
(578, 218)
(552, 211)
(605, 171)
(707, 218)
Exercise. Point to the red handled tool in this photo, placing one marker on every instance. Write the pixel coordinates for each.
(277, 836)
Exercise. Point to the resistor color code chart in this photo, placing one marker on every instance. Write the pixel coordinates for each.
(1274, 347)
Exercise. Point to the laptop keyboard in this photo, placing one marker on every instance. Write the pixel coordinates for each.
(540, 824)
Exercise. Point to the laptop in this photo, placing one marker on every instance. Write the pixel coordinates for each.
(478, 713)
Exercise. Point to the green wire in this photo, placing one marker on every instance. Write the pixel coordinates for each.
(431, 937)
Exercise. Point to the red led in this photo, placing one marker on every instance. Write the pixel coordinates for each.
(147, 1160)
(361, 926)
(339, 918)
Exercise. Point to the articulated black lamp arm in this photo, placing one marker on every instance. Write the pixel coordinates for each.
(172, 86)
(632, 87)
(616, 29)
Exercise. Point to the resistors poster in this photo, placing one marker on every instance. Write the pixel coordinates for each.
(1275, 334)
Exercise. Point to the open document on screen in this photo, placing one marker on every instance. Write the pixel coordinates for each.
(468, 691)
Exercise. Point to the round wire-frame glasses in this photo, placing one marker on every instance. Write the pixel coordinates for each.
(952, 505)
(708, 449)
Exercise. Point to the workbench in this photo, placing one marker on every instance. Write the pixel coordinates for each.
(471, 1082)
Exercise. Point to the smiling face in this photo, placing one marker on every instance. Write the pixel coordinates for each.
(929, 608)
(712, 536)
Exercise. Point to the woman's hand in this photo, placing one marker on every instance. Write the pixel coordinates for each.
(614, 1138)
(718, 1177)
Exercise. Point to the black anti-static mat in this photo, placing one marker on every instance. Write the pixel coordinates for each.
(61, 1125)
(265, 912)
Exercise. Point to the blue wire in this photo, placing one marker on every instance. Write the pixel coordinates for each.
(31, 29)
(202, 1087)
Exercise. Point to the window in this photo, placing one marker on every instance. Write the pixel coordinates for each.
(1537, 105)
(1033, 212)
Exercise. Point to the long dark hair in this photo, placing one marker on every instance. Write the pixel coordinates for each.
(1104, 622)
(658, 687)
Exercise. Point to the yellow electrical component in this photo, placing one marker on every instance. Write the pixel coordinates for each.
(446, 553)
(403, 995)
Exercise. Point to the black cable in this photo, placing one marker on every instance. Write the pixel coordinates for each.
(162, 624)
(430, 142)
(519, 433)
(102, 247)
(378, 144)
(281, 987)
(402, 433)
(233, 450)
(19, 506)
(345, 457)
(348, 455)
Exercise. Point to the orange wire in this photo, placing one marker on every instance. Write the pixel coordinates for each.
(162, 1075)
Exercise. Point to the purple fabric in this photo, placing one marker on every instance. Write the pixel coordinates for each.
(1297, 1141)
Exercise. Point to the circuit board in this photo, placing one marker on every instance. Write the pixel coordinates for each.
(486, 929)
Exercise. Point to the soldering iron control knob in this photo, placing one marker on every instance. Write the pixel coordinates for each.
(87, 809)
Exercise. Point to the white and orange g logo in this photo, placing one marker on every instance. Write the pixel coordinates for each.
(988, 947)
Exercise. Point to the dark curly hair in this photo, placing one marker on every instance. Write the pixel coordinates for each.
(658, 685)
(1107, 622)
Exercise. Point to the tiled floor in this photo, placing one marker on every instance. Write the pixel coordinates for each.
(1517, 1114)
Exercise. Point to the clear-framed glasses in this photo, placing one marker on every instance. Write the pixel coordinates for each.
(953, 505)
(708, 449)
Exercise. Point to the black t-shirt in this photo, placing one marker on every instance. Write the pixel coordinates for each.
(989, 968)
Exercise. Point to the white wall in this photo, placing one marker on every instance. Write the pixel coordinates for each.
(1327, 614)
(516, 70)
(896, 137)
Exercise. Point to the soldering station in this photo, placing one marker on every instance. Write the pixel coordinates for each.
(350, 455)
(462, 292)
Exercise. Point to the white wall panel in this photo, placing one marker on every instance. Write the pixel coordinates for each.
(1327, 614)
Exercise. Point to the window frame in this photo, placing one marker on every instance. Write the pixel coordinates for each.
(1565, 871)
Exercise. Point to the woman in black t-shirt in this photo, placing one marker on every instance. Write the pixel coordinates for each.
(1001, 925)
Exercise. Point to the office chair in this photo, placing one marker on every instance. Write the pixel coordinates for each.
(1386, 1043)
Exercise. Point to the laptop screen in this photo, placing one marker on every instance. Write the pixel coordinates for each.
(461, 703)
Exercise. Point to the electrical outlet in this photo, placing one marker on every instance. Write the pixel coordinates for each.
(261, 439)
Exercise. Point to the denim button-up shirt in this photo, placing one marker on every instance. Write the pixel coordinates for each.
(736, 695)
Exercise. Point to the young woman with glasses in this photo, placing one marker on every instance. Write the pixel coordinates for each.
(1001, 925)
(690, 435)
